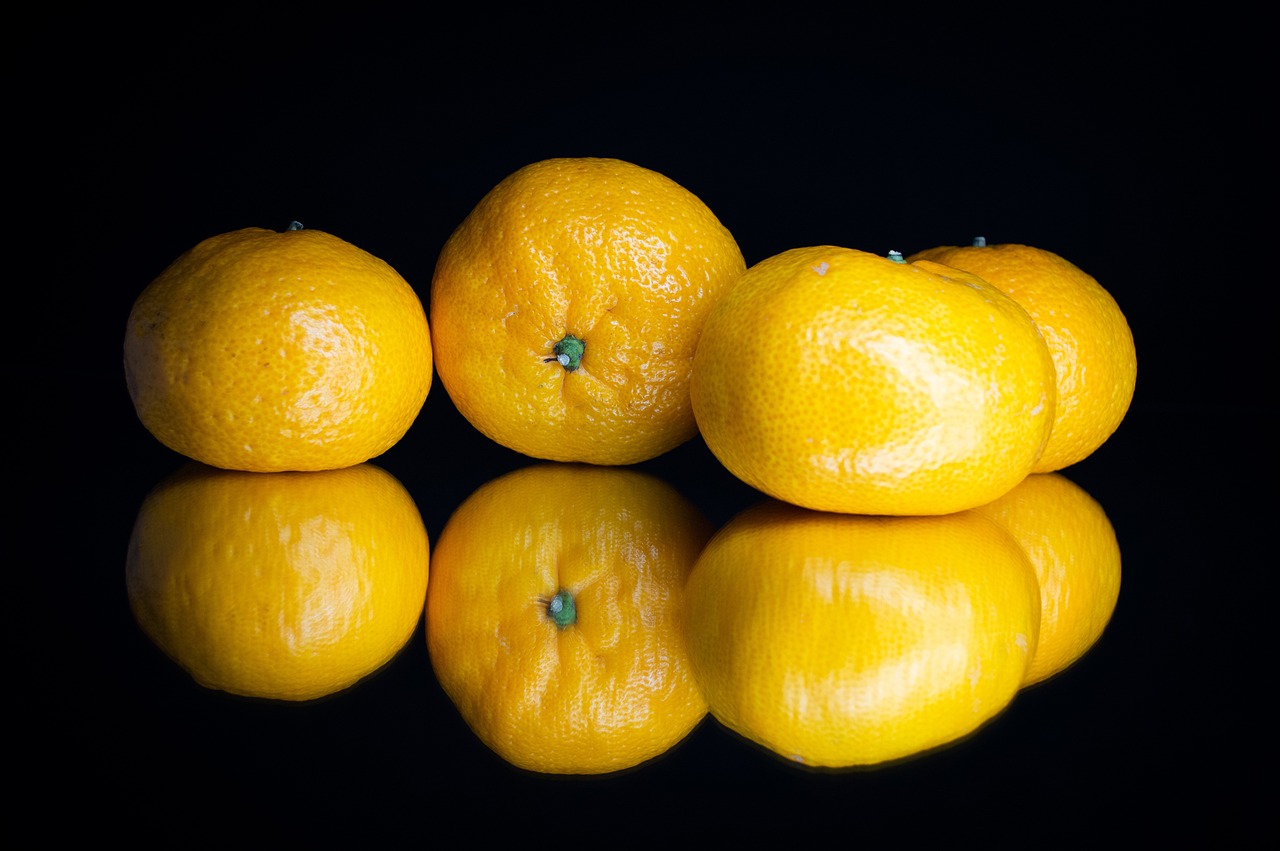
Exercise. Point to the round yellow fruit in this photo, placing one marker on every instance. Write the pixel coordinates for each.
(566, 307)
(1076, 555)
(289, 586)
(843, 381)
(838, 640)
(555, 618)
(269, 352)
(1092, 346)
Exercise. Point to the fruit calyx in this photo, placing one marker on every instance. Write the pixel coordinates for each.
(561, 609)
(568, 353)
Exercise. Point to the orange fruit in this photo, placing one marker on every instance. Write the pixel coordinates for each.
(265, 351)
(844, 381)
(1092, 346)
(1074, 550)
(555, 617)
(838, 640)
(289, 586)
(566, 307)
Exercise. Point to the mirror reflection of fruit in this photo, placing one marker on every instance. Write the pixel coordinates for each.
(278, 585)
(566, 307)
(845, 381)
(555, 617)
(1092, 346)
(265, 351)
(838, 640)
(1076, 555)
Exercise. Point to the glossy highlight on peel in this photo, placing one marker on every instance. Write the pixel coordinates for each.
(838, 640)
(872, 386)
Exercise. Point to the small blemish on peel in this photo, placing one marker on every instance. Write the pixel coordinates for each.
(821, 268)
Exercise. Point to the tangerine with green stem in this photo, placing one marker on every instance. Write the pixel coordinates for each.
(566, 306)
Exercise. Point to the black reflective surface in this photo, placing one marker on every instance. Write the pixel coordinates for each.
(1109, 140)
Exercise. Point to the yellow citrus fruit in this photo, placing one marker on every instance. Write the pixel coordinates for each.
(844, 381)
(265, 351)
(289, 586)
(837, 640)
(1092, 346)
(555, 617)
(1073, 547)
(566, 307)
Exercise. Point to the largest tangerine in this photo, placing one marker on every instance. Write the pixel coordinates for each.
(566, 307)
(845, 381)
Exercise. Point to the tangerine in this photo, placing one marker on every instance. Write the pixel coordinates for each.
(1094, 356)
(555, 617)
(840, 380)
(270, 352)
(566, 306)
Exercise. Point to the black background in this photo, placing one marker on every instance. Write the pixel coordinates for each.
(1121, 139)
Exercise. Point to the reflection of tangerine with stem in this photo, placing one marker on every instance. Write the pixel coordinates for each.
(556, 625)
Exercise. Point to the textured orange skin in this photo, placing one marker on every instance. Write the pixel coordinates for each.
(289, 586)
(1092, 346)
(613, 689)
(1074, 550)
(840, 380)
(619, 256)
(269, 352)
(840, 640)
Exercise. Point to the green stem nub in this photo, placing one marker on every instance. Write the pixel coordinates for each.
(562, 610)
(569, 353)
(294, 225)
(896, 257)
(979, 242)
